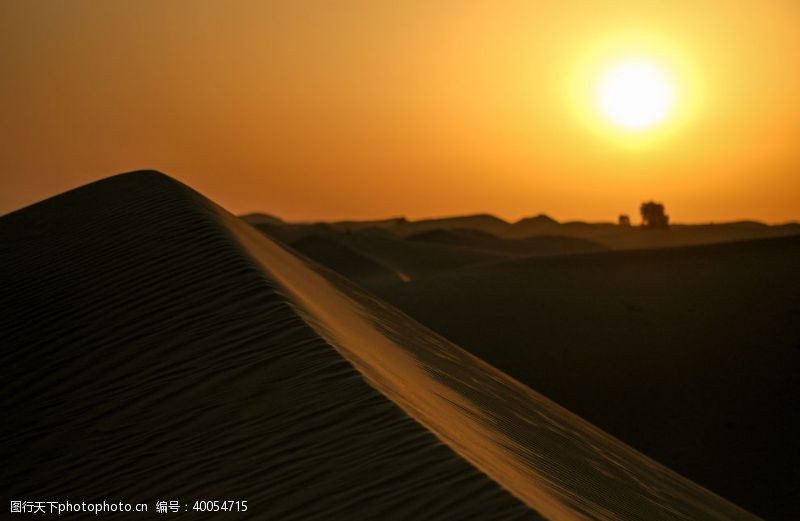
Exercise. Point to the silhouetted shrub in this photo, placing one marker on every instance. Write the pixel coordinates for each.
(653, 215)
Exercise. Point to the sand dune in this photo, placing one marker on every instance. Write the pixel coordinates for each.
(157, 347)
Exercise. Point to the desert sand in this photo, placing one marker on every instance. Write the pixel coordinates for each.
(157, 347)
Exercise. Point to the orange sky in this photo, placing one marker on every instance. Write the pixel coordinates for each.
(362, 109)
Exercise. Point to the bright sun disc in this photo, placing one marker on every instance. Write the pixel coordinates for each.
(635, 94)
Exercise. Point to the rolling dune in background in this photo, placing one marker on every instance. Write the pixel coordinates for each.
(157, 347)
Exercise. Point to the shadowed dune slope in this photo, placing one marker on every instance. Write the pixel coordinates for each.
(691, 354)
(157, 347)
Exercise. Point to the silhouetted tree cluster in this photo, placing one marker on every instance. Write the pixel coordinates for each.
(653, 215)
(624, 220)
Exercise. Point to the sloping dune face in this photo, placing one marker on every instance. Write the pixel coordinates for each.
(158, 348)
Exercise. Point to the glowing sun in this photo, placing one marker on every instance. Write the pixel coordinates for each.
(635, 93)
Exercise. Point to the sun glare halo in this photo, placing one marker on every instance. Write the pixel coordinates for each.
(634, 88)
(635, 93)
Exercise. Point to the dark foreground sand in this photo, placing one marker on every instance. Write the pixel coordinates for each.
(156, 347)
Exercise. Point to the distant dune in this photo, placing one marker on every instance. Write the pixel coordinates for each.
(377, 256)
(607, 234)
(398, 258)
(264, 219)
(158, 348)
